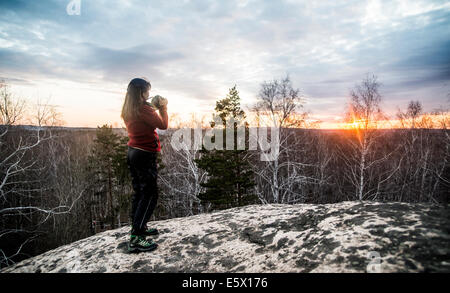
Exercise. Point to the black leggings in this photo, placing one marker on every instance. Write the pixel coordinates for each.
(144, 174)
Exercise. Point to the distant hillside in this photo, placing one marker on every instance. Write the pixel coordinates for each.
(61, 128)
(399, 237)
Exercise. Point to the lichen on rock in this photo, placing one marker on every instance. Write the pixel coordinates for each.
(342, 237)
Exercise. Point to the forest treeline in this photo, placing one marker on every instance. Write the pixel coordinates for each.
(59, 185)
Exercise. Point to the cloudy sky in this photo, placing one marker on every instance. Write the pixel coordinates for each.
(194, 51)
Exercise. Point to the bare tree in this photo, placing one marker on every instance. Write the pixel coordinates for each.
(45, 114)
(181, 178)
(12, 109)
(364, 113)
(412, 114)
(279, 107)
(423, 173)
(20, 180)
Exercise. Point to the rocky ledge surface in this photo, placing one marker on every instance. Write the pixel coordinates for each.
(342, 237)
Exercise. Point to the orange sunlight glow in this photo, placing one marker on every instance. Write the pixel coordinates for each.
(356, 124)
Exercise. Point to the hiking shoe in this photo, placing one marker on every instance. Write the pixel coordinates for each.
(146, 232)
(150, 231)
(139, 243)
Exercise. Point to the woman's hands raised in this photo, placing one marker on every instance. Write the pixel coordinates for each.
(159, 102)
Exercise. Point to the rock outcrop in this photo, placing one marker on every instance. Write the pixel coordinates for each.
(343, 237)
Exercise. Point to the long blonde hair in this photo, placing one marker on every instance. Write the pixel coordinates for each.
(133, 101)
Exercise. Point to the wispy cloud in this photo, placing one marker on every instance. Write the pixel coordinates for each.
(196, 50)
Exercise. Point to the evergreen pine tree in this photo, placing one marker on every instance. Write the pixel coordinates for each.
(230, 178)
(110, 172)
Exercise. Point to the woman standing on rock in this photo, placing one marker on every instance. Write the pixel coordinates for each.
(141, 120)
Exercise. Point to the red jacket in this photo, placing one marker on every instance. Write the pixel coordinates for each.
(142, 132)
